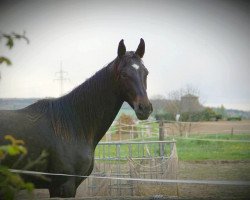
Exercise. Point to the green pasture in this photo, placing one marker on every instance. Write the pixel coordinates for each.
(194, 148)
(231, 147)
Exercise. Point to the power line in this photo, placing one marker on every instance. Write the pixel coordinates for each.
(61, 78)
(206, 182)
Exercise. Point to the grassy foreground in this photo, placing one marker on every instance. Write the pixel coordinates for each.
(194, 148)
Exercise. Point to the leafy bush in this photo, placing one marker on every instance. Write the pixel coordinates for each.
(11, 183)
(234, 119)
(125, 124)
(206, 115)
(191, 117)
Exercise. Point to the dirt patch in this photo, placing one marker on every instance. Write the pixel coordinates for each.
(216, 170)
(208, 127)
(205, 170)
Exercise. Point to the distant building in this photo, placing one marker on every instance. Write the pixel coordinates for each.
(190, 103)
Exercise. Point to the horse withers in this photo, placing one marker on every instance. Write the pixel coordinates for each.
(69, 128)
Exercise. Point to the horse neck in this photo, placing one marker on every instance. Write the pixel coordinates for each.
(96, 103)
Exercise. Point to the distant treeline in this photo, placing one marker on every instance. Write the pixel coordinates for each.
(192, 110)
(205, 114)
(16, 103)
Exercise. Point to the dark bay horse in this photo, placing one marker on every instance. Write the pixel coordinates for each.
(69, 128)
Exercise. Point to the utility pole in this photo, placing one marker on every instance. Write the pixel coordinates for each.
(61, 78)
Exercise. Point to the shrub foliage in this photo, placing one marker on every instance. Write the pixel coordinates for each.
(11, 183)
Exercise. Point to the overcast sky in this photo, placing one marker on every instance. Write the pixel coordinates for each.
(201, 43)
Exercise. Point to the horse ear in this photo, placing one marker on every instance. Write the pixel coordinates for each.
(121, 49)
(141, 48)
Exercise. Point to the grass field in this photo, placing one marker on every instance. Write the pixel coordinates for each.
(212, 149)
(195, 148)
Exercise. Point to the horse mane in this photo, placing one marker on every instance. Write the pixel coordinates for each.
(63, 111)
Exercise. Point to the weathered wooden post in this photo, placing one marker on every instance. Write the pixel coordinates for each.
(161, 137)
(132, 132)
(232, 131)
(142, 131)
(161, 131)
(119, 130)
(108, 136)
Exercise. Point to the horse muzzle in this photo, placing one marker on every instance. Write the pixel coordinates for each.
(143, 108)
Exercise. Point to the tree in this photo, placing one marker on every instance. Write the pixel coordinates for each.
(158, 102)
(184, 100)
(125, 124)
(221, 111)
(10, 39)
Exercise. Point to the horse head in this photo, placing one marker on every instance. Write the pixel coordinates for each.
(132, 79)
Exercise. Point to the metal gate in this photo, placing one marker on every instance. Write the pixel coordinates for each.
(146, 159)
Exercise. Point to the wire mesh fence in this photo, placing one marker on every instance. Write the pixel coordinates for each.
(148, 129)
(147, 159)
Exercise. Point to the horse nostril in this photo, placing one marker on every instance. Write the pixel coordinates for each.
(144, 108)
(141, 107)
